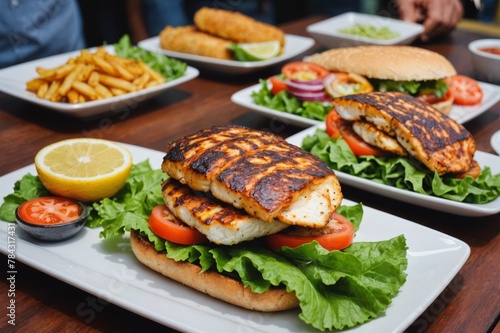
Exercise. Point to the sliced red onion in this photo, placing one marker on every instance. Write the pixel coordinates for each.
(312, 96)
(315, 85)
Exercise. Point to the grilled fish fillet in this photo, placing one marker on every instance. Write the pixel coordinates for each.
(188, 39)
(372, 135)
(236, 27)
(220, 222)
(433, 138)
(258, 172)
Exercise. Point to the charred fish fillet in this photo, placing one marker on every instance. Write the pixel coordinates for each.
(220, 222)
(431, 137)
(258, 172)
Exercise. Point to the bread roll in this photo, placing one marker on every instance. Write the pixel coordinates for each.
(211, 283)
(399, 63)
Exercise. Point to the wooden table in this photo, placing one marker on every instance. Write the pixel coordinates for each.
(44, 304)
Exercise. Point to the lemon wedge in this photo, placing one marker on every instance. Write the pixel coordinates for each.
(261, 51)
(84, 169)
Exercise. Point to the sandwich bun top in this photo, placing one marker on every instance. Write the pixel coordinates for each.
(399, 63)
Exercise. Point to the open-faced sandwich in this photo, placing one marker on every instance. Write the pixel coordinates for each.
(261, 216)
(399, 140)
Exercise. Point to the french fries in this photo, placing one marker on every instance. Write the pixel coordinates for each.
(91, 76)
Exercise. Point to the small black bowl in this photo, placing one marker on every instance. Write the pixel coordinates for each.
(55, 232)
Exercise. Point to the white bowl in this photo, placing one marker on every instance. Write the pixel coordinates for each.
(327, 32)
(486, 64)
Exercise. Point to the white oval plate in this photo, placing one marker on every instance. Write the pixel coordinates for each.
(13, 82)
(294, 46)
(495, 141)
(461, 114)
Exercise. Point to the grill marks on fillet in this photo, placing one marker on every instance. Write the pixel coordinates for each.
(220, 222)
(435, 139)
(372, 135)
(269, 180)
(194, 160)
(256, 171)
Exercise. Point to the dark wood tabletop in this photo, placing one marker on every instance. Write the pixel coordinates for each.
(470, 303)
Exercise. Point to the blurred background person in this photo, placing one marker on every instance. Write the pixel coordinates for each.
(104, 21)
(148, 17)
(36, 29)
(439, 17)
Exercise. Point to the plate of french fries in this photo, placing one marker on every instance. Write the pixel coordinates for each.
(87, 82)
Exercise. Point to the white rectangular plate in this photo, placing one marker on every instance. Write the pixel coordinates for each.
(427, 201)
(294, 46)
(111, 272)
(327, 31)
(462, 114)
(13, 82)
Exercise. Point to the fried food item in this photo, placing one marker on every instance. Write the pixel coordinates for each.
(428, 135)
(188, 39)
(91, 76)
(258, 172)
(236, 27)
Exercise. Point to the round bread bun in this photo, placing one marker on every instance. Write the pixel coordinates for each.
(211, 283)
(399, 63)
(444, 106)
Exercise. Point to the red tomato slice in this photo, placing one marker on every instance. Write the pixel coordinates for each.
(336, 235)
(277, 85)
(304, 71)
(164, 224)
(336, 127)
(49, 210)
(465, 90)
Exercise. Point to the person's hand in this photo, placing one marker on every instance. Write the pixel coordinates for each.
(437, 16)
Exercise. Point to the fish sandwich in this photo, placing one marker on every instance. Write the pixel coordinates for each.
(407, 69)
(231, 185)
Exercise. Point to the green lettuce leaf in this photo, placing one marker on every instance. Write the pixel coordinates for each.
(27, 188)
(402, 173)
(132, 205)
(169, 68)
(336, 290)
(412, 87)
(285, 102)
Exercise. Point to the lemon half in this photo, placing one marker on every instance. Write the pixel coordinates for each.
(84, 169)
(261, 51)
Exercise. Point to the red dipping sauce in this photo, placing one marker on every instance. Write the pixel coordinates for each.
(492, 50)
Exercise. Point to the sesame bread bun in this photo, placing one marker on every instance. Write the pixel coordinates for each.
(444, 106)
(399, 63)
(212, 283)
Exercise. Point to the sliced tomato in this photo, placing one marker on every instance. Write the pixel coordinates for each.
(49, 210)
(336, 235)
(465, 90)
(277, 85)
(164, 224)
(336, 127)
(304, 71)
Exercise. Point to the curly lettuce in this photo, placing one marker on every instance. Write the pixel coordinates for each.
(402, 173)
